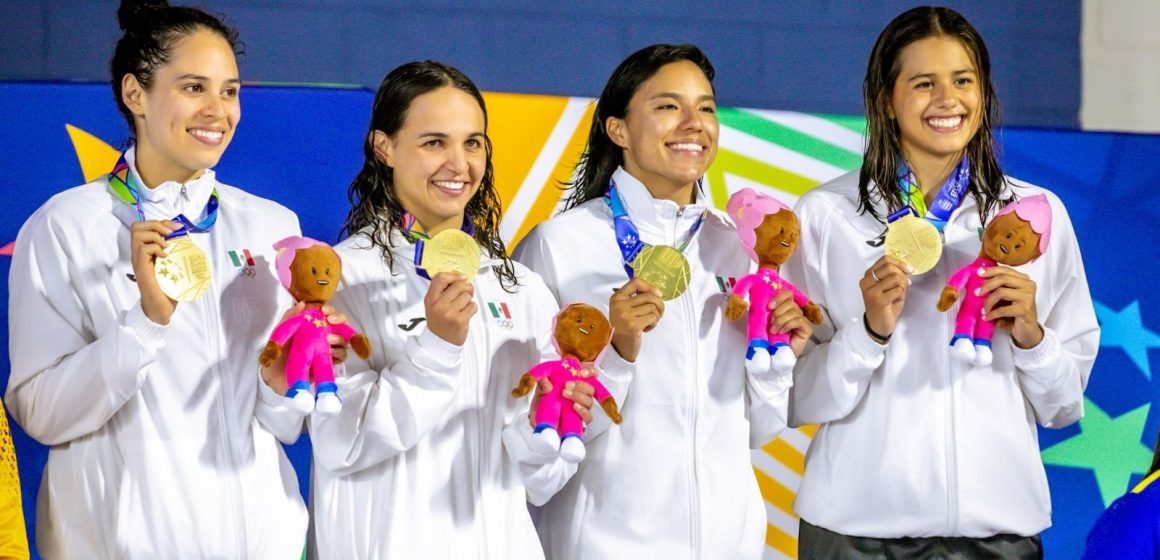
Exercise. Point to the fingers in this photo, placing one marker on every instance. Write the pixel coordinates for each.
(632, 288)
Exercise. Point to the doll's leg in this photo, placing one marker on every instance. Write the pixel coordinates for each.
(323, 368)
(962, 341)
(572, 430)
(546, 438)
(783, 358)
(757, 359)
(984, 331)
(298, 380)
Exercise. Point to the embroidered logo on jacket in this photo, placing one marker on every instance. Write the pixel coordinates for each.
(726, 283)
(501, 314)
(414, 323)
(243, 261)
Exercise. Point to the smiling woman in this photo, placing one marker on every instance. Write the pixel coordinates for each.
(148, 402)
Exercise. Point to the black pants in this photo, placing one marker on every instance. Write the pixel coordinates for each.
(816, 543)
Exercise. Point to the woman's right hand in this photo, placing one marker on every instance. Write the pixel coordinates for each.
(146, 244)
(449, 306)
(884, 292)
(633, 310)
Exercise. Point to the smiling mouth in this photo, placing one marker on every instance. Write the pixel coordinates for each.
(686, 147)
(582, 331)
(945, 123)
(1003, 248)
(785, 243)
(451, 186)
(322, 282)
(213, 137)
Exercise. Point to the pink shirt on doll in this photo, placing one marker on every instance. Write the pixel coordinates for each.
(969, 321)
(761, 287)
(554, 410)
(309, 349)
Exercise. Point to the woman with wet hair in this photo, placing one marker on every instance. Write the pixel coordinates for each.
(431, 456)
(928, 444)
(159, 425)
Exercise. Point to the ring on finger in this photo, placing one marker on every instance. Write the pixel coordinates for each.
(874, 275)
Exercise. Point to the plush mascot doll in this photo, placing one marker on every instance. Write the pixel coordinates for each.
(1017, 235)
(581, 334)
(769, 234)
(310, 270)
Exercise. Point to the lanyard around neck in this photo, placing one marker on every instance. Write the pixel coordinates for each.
(124, 186)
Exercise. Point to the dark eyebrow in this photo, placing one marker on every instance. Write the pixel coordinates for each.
(204, 78)
(930, 75)
(675, 97)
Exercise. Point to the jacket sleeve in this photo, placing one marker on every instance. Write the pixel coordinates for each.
(1055, 372)
(768, 405)
(67, 381)
(833, 373)
(385, 410)
(543, 474)
(616, 373)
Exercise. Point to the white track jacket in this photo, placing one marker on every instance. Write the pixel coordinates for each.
(675, 480)
(914, 442)
(156, 446)
(414, 466)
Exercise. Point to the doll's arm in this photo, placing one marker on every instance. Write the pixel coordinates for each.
(67, 379)
(358, 342)
(528, 379)
(1054, 373)
(286, 329)
(833, 373)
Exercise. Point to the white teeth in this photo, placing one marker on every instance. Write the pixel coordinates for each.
(207, 134)
(945, 122)
(451, 185)
(688, 146)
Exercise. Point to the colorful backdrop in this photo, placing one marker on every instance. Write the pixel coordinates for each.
(302, 146)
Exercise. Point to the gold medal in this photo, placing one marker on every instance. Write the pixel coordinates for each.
(663, 267)
(915, 242)
(451, 250)
(184, 272)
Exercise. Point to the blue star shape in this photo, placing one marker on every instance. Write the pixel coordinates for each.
(1125, 330)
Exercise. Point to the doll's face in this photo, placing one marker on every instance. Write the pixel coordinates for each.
(315, 272)
(1010, 241)
(777, 238)
(582, 331)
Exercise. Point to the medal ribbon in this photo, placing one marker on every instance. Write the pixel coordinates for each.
(415, 233)
(124, 186)
(628, 237)
(949, 196)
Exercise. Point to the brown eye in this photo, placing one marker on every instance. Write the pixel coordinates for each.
(1008, 235)
(1018, 245)
(579, 320)
(313, 270)
(328, 271)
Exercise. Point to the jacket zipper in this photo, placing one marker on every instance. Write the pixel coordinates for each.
(223, 404)
(694, 490)
(481, 356)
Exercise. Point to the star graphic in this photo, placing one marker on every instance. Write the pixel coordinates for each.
(1125, 330)
(1109, 447)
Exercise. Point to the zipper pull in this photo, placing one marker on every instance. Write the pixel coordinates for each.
(184, 193)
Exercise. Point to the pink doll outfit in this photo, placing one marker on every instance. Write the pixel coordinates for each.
(554, 411)
(308, 350)
(761, 288)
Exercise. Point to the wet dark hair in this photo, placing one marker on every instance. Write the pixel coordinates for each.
(374, 203)
(883, 149)
(602, 156)
(151, 29)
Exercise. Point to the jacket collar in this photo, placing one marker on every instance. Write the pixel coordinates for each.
(659, 216)
(166, 200)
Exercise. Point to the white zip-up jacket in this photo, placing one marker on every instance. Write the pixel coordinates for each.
(675, 479)
(156, 448)
(914, 442)
(414, 466)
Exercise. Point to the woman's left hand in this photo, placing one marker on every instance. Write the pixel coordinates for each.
(1010, 303)
(581, 393)
(786, 317)
(338, 344)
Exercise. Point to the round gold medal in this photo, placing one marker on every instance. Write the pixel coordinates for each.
(451, 250)
(184, 272)
(663, 267)
(915, 242)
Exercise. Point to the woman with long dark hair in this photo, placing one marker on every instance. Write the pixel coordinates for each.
(675, 478)
(928, 445)
(133, 337)
(430, 456)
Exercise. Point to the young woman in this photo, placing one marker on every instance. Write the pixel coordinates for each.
(914, 441)
(152, 406)
(414, 465)
(675, 478)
